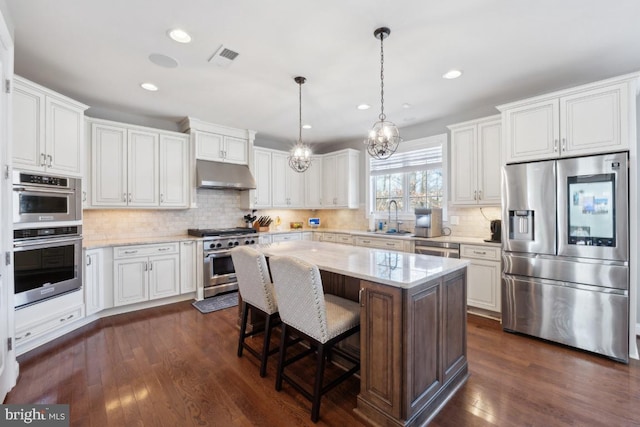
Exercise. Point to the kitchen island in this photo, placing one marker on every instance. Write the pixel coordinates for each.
(412, 345)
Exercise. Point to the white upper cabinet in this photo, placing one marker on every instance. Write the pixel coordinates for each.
(261, 196)
(174, 171)
(219, 143)
(588, 119)
(138, 167)
(48, 130)
(475, 162)
(313, 184)
(331, 181)
(220, 148)
(287, 189)
(340, 179)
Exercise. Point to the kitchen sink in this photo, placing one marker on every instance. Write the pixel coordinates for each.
(391, 232)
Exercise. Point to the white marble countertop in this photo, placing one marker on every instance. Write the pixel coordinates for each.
(399, 269)
(461, 240)
(93, 243)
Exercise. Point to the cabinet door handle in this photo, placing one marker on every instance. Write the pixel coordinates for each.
(188, 243)
(475, 195)
(131, 252)
(49, 163)
(479, 194)
(479, 252)
(164, 249)
(150, 266)
(146, 266)
(360, 297)
(564, 144)
(84, 196)
(555, 145)
(129, 197)
(390, 244)
(88, 260)
(124, 197)
(366, 241)
(43, 159)
(161, 198)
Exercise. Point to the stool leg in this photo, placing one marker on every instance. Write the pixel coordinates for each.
(243, 328)
(317, 388)
(281, 357)
(266, 345)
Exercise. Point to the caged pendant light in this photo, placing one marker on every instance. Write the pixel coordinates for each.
(384, 137)
(300, 154)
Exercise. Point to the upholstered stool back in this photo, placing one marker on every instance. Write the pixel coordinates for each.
(253, 279)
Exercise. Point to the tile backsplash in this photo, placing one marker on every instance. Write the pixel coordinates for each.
(222, 209)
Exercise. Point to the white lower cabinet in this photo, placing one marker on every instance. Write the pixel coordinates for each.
(145, 272)
(93, 281)
(188, 266)
(52, 317)
(483, 276)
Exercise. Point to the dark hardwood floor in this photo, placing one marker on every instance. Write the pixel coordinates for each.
(173, 366)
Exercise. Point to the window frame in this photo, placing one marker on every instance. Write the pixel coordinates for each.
(412, 145)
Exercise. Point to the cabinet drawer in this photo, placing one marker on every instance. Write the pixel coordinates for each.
(396, 245)
(328, 237)
(285, 237)
(480, 252)
(145, 250)
(46, 324)
(345, 239)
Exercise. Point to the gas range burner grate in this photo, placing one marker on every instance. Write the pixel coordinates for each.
(199, 232)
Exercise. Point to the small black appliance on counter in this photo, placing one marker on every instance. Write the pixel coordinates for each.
(496, 231)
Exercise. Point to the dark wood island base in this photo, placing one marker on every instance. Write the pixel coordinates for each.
(413, 332)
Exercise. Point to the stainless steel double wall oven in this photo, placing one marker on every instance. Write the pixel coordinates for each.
(47, 236)
(566, 252)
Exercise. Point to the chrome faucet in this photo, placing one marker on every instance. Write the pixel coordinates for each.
(389, 222)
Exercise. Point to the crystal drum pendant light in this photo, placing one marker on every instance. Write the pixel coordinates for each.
(384, 137)
(300, 154)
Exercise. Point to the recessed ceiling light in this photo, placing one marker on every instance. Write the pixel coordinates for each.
(306, 126)
(149, 86)
(179, 35)
(363, 107)
(452, 74)
(406, 106)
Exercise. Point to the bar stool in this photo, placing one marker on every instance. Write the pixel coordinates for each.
(257, 292)
(323, 320)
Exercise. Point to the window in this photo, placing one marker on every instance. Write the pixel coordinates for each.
(414, 177)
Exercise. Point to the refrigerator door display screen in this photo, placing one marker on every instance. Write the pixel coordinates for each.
(592, 210)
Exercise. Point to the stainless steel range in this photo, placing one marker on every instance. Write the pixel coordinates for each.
(219, 274)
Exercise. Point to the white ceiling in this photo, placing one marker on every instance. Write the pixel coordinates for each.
(97, 51)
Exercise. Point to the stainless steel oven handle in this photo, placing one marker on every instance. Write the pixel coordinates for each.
(218, 254)
(46, 241)
(43, 190)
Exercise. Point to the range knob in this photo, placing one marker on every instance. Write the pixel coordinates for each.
(211, 245)
(253, 241)
(218, 245)
(235, 243)
(246, 242)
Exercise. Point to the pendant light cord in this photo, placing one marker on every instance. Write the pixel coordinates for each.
(299, 112)
(382, 116)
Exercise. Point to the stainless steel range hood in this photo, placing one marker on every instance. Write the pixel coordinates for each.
(223, 175)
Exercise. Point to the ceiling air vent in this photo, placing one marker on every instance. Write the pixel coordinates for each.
(223, 57)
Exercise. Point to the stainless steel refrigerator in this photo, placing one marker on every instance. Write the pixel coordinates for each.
(566, 252)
